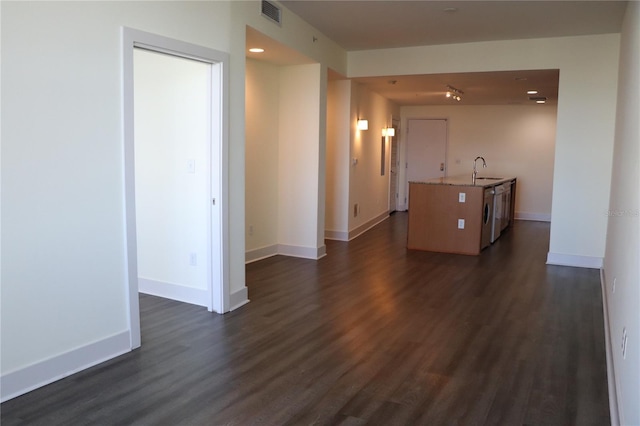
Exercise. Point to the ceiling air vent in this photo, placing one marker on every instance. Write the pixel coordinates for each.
(271, 11)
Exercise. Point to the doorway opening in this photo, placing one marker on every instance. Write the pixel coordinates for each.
(176, 155)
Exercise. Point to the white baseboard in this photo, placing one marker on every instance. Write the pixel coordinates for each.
(611, 378)
(538, 217)
(303, 252)
(285, 250)
(239, 298)
(561, 259)
(336, 235)
(195, 296)
(356, 232)
(23, 380)
(260, 253)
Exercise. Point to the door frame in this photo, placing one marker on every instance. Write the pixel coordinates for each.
(395, 142)
(219, 291)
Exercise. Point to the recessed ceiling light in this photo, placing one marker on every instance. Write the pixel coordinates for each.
(256, 50)
(540, 102)
(532, 92)
(450, 9)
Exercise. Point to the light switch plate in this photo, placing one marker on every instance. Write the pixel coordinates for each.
(462, 196)
(460, 223)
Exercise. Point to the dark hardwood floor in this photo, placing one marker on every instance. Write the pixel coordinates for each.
(370, 334)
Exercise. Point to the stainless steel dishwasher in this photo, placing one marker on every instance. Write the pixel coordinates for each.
(487, 218)
(498, 207)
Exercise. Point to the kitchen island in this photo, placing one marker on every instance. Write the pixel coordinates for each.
(456, 215)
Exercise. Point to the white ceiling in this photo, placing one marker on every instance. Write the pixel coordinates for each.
(375, 24)
(361, 25)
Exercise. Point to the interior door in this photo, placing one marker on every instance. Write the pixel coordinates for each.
(426, 149)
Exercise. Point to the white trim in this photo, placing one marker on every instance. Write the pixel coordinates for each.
(26, 379)
(260, 253)
(538, 217)
(562, 259)
(218, 297)
(611, 378)
(336, 235)
(356, 232)
(195, 296)
(303, 252)
(239, 298)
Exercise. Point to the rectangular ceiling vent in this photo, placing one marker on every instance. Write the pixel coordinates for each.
(271, 11)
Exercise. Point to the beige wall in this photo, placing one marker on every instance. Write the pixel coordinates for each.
(261, 154)
(515, 140)
(361, 183)
(339, 133)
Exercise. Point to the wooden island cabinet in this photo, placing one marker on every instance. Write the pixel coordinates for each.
(454, 215)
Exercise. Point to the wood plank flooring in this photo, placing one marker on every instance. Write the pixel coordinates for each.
(370, 334)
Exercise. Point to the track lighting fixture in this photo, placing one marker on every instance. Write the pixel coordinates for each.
(453, 93)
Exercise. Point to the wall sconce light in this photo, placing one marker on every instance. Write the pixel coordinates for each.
(388, 131)
(453, 93)
(363, 124)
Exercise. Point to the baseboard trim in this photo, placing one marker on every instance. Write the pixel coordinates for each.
(303, 252)
(23, 380)
(336, 235)
(260, 253)
(195, 296)
(239, 298)
(537, 217)
(356, 232)
(611, 378)
(574, 260)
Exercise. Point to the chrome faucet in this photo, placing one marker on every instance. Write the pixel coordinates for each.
(475, 171)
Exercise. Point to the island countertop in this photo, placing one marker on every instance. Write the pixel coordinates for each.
(466, 180)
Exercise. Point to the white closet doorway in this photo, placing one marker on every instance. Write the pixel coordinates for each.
(172, 133)
(175, 168)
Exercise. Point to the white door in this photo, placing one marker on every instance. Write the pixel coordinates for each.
(426, 149)
(173, 138)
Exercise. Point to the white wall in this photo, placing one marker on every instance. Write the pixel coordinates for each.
(64, 295)
(368, 188)
(262, 150)
(362, 183)
(623, 236)
(63, 274)
(339, 130)
(515, 140)
(172, 127)
(299, 166)
(284, 168)
(585, 126)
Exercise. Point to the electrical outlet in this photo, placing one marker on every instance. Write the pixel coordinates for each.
(462, 197)
(250, 229)
(460, 223)
(624, 342)
(193, 259)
